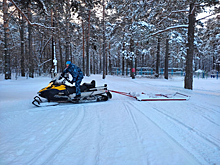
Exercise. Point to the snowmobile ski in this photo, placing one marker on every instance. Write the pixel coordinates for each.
(39, 103)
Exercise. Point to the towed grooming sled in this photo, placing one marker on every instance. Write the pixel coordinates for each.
(155, 97)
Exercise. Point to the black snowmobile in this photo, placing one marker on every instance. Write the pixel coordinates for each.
(61, 90)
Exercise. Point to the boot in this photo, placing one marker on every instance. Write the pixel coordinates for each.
(77, 96)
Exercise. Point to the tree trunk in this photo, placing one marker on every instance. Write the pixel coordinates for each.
(67, 32)
(158, 59)
(6, 36)
(61, 57)
(136, 59)
(103, 44)
(132, 70)
(30, 54)
(83, 47)
(106, 60)
(53, 61)
(189, 58)
(100, 61)
(26, 59)
(110, 59)
(166, 59)
(127, 65)
(22, 47)
(94, 62)
(87, 47)
(55, 24)
(123, 60)
(123, 65)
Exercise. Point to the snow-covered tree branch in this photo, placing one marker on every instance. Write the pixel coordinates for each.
(167, 29)
(179, 11)
(29, 22)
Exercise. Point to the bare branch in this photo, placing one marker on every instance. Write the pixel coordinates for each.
(193, 9)
(44, 7)
(11, 14)
(45, 45)
(44, 62)
(29, 22)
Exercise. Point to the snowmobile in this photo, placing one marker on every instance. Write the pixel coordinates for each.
(61, 90)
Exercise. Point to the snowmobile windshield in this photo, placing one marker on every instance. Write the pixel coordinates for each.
(59, 80)
(57, 77)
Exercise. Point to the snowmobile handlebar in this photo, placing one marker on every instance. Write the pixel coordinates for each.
(58, 79)
(65, 79)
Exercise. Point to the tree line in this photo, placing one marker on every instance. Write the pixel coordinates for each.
(38, 36)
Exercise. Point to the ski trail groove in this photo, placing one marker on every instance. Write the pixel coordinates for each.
(134, 121)
(196, 131)
(199, 110)
(207, 108)
(61, 139)
(194, 134)
(169, 138)
(22, 116)
(99, 146)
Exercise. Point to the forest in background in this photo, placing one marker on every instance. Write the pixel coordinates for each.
(102, 36)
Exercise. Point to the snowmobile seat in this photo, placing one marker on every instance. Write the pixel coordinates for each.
(90, 85)
(84, 87)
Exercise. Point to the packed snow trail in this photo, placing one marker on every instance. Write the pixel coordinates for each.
(121, 131)
(62, 136)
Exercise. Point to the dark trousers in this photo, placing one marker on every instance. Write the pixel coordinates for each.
(77, 84)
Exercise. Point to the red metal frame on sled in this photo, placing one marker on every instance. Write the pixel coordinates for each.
(156, 97)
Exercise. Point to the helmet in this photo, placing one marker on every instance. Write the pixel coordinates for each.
(68, 62)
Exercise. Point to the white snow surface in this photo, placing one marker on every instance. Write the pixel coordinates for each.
(120, 131)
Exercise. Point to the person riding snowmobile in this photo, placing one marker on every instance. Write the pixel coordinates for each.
(77, 75)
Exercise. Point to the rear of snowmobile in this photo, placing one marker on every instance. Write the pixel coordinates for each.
(61, 90)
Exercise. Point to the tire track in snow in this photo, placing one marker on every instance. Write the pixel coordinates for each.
(196, 131)
(8, 123)
(61, 139)
(168, 137)
(16, 132)
(217, 110)
(211, 107)
(100, 132)
(191, 138)
(134, 121)
(201, 111)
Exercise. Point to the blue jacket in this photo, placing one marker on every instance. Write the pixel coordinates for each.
(75, 71)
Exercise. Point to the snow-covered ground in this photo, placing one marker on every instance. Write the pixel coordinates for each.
(121, 131)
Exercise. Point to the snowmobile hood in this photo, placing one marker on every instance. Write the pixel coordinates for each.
(52, 86)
